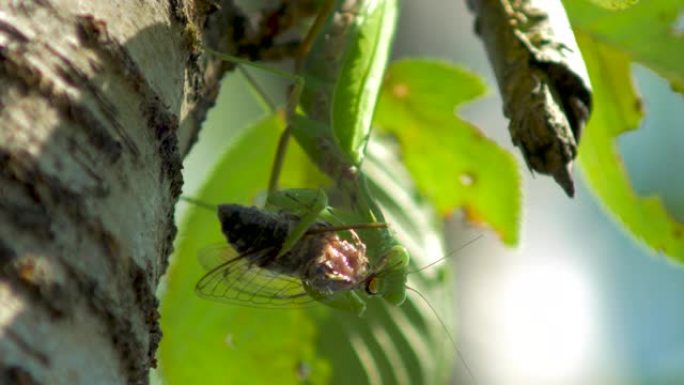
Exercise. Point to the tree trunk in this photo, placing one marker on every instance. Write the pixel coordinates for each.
(99, 102)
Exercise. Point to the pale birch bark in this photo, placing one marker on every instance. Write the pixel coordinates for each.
(99, 102)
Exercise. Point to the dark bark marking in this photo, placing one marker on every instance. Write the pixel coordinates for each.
(16, 173)
(39, 356)
(13, 32)
(48, 191)
(149, 305)
(30, 218)
(15, 67)
(119, 326)
(26, 276)
(177, 11)
(7, 254)
(94, 35)
(17, 375)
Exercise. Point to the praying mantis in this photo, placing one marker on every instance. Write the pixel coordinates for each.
(329, 114)
(342, 59)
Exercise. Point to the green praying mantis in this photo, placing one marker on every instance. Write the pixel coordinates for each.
(299, 249)
(290, 252)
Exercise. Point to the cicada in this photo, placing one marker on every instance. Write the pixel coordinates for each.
(294, 254)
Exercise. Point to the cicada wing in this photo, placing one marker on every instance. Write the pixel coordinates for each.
(240, 280)
(211, 256)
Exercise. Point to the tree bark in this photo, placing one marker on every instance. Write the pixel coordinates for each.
(99, 102)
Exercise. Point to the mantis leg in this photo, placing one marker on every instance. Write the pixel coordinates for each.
(292, 101)
(308, 204)
(295, 91)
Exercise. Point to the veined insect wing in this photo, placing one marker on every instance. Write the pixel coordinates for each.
(211, 256)
(238, 279)
(327, 264)
(246, 279)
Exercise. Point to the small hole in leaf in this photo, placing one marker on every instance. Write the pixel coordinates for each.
(678, 25)
(303, 371)
(466, 179)
(230, 341)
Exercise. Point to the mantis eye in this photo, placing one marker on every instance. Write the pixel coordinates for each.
(372, 287)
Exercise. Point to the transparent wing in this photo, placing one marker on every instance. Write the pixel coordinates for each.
(238, 279)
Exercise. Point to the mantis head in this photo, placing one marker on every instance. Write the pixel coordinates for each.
(389, 281)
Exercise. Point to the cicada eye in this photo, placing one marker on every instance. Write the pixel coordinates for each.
(373, 286)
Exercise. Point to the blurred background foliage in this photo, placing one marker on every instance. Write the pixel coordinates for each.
(578, 301)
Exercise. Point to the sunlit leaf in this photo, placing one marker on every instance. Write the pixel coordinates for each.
(453, 164)
(615, 4)
(646, 32)
(610, 41)
(617, 109)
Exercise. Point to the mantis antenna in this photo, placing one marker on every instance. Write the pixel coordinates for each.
(446, 330)
(451, 254)
(199, 203)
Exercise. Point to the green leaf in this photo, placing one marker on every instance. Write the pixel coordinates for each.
(617, 109)
(615, 4)
(645, 32)
(610, 41)
(451, 161)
